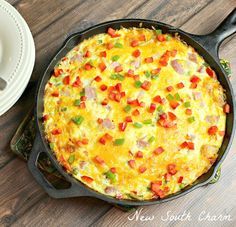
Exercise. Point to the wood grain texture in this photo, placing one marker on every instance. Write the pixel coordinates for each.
(22, 201)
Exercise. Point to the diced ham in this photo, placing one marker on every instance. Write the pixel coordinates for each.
(192, 57)
(177, 66)
(142, 143)
(107, 123)
(212, 119)
(90, 92)
(136, 63)
(115, 64)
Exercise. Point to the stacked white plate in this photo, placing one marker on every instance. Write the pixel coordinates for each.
(17, 55)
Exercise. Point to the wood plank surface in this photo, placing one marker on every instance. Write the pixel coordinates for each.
(22, 201)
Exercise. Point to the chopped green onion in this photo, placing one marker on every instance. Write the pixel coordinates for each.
(151, 139)
(100, 41)
(147, 121)
(138, 125)
(63, 109)
(71, 159)
(119, 142)
(115, 57)
(51, 145)
(168, 37)
(158, 31)
(160, 108)
(111, 176)
(147, 74)
(77, 120)
(82, 93)
(154, 77)
(75, 171)
(187, 104)
(127, 108)
(137, 84)
(117, 76)
(191, 119)
(170, 97)
(181, 186)
(177, 97)
(118, 45)
(77, 102)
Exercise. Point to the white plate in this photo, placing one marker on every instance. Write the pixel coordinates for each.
(17, 55)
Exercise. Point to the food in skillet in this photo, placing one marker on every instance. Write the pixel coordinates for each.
(134, 113)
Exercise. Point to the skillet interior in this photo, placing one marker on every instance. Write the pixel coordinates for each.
(74, 39)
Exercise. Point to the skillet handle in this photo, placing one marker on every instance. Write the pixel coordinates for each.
(213, 40)
(74, 190)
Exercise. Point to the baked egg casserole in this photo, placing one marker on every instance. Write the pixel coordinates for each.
(134, 113)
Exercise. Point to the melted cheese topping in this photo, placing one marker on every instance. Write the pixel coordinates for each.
(134, 114)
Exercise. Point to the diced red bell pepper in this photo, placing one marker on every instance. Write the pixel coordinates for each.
(122, 126)
(118, 69)
(103, 54)
(98, 78)
(45, 117)
(88, 66)
(173, 53)
(190, 145)
(118, 87)
(128, 119)
(87, 179)
(139, 154)
(55, 94)
(180, 179)
(130, 73)
(174, 104)
(167, 176)
(99, 120)
(195, 79)
(56, 131)
(158, 150)
(210, 72)
(146, 85)
(131, 163)
(136, 53)
(57, 72)
(112, 33)
(113, 170)
(163, 116)
(109, 46)
(84, 141)
(83, 98)
(142, 169)
(102, 140)
(155, 71)
(169, 88)
(135, 112)
(193, 85)
(212, 130)
(99, 160)
(66, 80)
(172, 116)
(107, 136)
(102, 66)
(87, 54)
(103, 87)
(188, 111)
(148, 60)
(171, 168)
(161, 37)
(180, 85)
(226, 108)
(152, 107)
(134, 43)
(158, 99)
(142, 37)
(104, 102)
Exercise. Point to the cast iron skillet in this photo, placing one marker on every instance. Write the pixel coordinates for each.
(206, 45)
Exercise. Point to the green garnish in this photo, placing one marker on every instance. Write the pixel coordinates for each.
(127, 108)
(147, 121)
(151, 139)
(77, 120)
(118, 45)
(51, 145)
(181, 186)
(119, 142)
(147, 74)
(205, 64)
(168, 37)
(154, 77)
(177, 97)
(77, 102)
(111, 176)
(138, 84)
(191, 119)
(115, 57)
(158, 31)
(170, 97)
(75, 171)
(137, 125)
(117, 76)
(71, 159)
(160, 108)
(187, 104)
(100, 41)
(63, 109)
(226, 66)
(82, 93)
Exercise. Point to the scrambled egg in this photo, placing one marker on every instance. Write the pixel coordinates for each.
(134, 113)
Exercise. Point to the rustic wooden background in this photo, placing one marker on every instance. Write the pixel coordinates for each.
(22, 201)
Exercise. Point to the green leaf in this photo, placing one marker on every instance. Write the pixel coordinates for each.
(118, 45)
(160, 108)
(138, 84)
(127, 108)
(187, 104)
(138, 125)
(147, 121)
(115, 57)
(191, 119)
(170, 97)
(119, 142)
(71, 159)
(158, 31)
(117, 77)
(111, 176)
(78, 119)
(77, 102)
(177, 97)
(147, 74)
(151, 139)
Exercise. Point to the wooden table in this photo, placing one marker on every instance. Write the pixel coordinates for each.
(23, 202)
